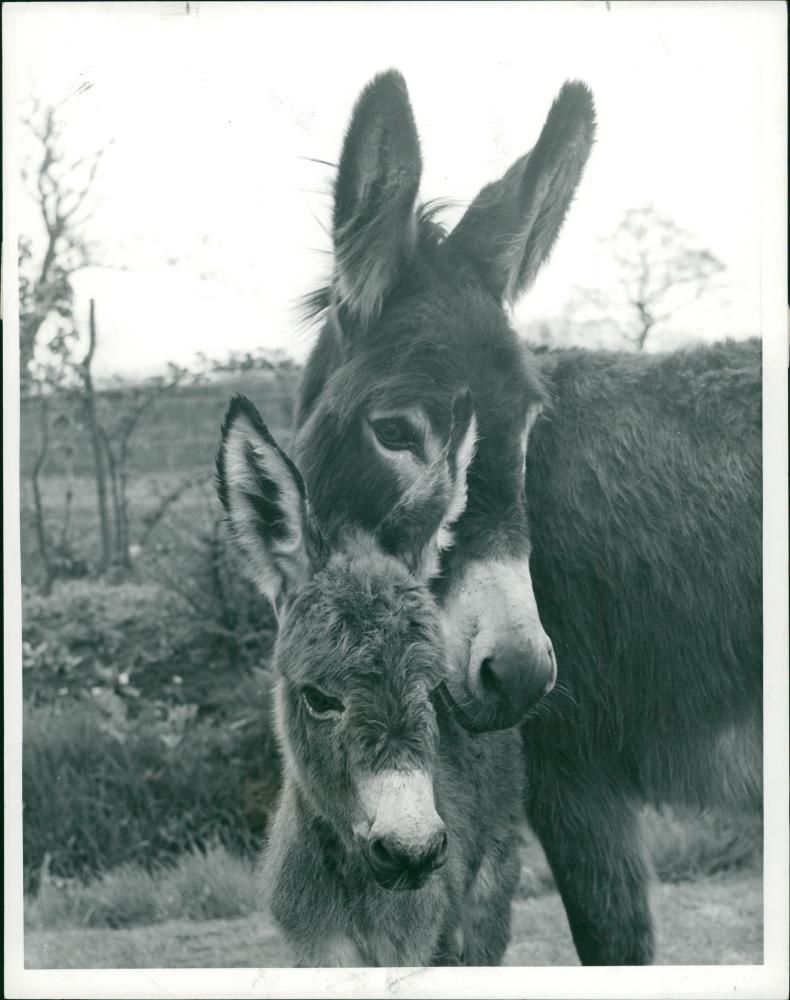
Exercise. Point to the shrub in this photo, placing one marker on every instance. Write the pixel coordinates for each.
(193, 632)
(88, 633)
(147, 725)
(101, 789)
(231, 628)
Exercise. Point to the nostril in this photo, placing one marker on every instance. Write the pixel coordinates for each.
(489, 681)
(390, 860)
(380, 854)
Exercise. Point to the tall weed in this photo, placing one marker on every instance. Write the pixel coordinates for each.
(210, 885)
(100, 791)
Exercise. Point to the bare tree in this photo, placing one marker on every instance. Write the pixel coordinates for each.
(125, 406)
(660, 270)
(89, 404)
(46, 294)
(60, 188)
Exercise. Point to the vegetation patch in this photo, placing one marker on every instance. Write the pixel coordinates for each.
(101, 790)
(202, 885)
(685, 847)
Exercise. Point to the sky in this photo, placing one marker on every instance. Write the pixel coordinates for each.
(213, 216)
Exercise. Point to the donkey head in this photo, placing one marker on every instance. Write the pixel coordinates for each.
(414, 316)
(359, 649)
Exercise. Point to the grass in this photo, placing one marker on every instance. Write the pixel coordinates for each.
(99, 796)
(708, 921)
(196, 504)
(209, 885)
(683, 848)
(217, 884)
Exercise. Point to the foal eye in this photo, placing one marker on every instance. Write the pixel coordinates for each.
(320, 705)
(396, 433)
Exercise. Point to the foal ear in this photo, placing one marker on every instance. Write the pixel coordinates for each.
(264, 496)
(510, 228)
(374, 227)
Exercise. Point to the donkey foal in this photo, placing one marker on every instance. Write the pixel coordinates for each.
(395, 840)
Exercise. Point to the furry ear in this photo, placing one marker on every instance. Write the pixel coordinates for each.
(417, 529)
(374, 227)
(510, 228)
(264, 496)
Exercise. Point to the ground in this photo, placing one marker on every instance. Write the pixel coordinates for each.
(711, 921)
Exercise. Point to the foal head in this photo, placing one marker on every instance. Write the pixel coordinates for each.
(359, 650)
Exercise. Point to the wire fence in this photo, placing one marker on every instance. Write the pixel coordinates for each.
(179, 432)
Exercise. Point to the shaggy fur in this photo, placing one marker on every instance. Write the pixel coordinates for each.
(651, 532)
(365, 631)
(362, 627)
(641, 508)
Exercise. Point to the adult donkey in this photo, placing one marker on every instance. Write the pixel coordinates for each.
(640, 507)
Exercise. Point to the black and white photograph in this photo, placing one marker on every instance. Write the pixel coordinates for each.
(395, 489)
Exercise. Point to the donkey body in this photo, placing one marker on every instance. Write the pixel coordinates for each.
(651, 532)
(395, 840)
(612, 513)
(327, 900)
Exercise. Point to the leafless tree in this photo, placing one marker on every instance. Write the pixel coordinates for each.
(125, 405)
(84, 370)
(61, 186)
(660, 270)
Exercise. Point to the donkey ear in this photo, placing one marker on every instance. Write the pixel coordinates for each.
(264, 496)
(374, 228)
(510, 228)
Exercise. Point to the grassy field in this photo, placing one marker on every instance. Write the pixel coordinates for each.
(196, 505)
(202, 912)
(712, 921)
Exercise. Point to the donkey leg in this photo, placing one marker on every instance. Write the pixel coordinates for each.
(486, 927)
(449, 947)
(590, 831)
(332, 952)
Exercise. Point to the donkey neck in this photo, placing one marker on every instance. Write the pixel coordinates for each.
(326, 845)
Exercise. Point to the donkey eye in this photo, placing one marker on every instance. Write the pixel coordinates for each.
(320, 705)
(396, 433)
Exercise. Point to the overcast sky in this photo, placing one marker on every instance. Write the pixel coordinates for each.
(212, 114)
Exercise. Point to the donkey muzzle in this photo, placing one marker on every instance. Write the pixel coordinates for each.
(508, 680)
(403, 838)
(397, 865)
(503, 661)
